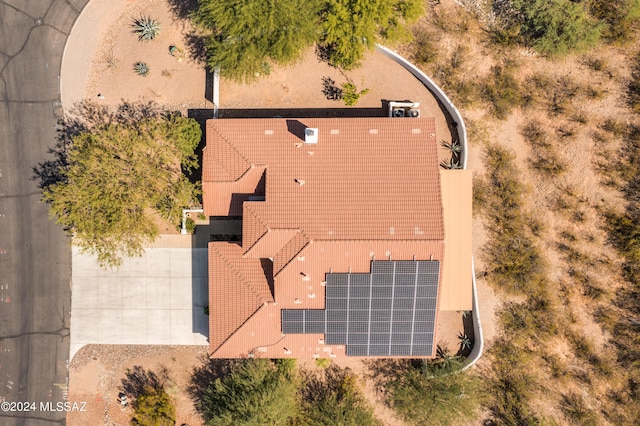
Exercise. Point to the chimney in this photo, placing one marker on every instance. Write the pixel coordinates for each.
(310, 135)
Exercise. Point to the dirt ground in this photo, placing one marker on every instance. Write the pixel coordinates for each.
(96, 372)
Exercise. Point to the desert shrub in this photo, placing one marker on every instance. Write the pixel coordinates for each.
(534, 318)
(255, 391)
(535, 134)
(154, 408)
(563, 92)
(479, 200)
(511, 385)
(576, 410)
(422, 399)
(425, 51)
(334, 396)
(513, 260)
(502, 91)
(547, 163)
(617, 17)
(557, 367)
(633, 88)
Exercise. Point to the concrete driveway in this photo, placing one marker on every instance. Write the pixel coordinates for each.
(156, 299)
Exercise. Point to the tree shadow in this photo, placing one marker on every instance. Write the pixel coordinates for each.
(384, 371)
(137, 381)
(330, 89)
(320, 385)
(202, 377)
(182, 9)
(197, 47)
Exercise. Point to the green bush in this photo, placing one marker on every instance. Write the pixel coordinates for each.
(256, 391)
(557, 26)
(351, 94)
(334, 397)
(154, 408)
(450, 399)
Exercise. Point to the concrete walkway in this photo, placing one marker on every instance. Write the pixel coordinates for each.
(156, 299)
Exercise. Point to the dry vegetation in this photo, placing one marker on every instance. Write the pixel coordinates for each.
(556, 187)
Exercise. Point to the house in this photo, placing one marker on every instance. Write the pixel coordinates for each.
(353, 238)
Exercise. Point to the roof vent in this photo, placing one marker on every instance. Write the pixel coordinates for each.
(310, 135)
(335, 131)
(268, 132)
(299, 181)
(373, 131)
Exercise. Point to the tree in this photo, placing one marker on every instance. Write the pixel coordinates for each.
(351, 27)
(245, 36)
(558, 26)
(333, 397)
(423, 399)
(114, 170)
(255, 392)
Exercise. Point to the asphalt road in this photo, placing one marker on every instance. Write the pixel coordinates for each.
(35, 255)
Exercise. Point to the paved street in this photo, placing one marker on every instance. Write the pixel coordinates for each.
(35, 255)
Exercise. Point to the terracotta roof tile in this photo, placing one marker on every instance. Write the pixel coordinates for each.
(351, 185)
(253, 228)
(241, 283)
(222, 162)
(226, 198)
(271, 242)
(288, 251)
(369, 189)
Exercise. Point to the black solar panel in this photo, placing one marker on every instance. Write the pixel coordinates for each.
(388, 312)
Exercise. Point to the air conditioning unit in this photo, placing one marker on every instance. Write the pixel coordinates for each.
(414, 113)
(398, 112)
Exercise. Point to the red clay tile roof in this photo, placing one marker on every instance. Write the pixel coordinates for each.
(369, 189)
(368, 178)
(241, 283)
(271, 242)
(230, 195)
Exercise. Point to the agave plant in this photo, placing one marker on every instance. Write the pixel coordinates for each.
(451, 164)
(146, 28)
(454, 147)
(141, 68)
(465, 341)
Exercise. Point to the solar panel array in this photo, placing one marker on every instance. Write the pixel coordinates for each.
(388, 312)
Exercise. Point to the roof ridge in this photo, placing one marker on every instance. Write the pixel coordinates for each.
(264, 235)
(237, 329)
(235, 150)
(307, 242)
(254, 214)
(237, 272)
